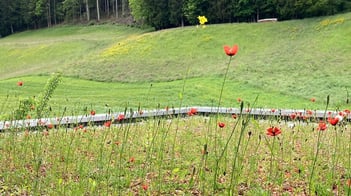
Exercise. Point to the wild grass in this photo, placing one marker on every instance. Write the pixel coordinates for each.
(111, 160)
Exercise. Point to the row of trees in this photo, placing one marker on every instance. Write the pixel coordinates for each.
(170, 13)
(18, 15)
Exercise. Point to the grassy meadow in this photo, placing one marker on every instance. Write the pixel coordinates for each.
(291, 64)
(179, 156)
(285, 63)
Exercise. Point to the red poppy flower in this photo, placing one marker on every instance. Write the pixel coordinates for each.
(107, 124)
(192, 111)
(305, 117)
(145, 187)
(92, 112)
(333, 121)
(293, 116)
(313, 99)
(120, 117)
(231, 51)
(131, 159)
(273, 131)
(322, 126)
(19, 83)
(221, 124)
(309, 112)
(273, 110)
(50, 126)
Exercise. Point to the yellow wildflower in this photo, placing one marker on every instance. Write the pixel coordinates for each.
(202, 19)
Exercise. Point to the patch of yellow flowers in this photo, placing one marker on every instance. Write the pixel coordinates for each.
(127, 46)
(327, 22)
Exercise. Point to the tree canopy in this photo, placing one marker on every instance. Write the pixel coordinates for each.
(19, 15)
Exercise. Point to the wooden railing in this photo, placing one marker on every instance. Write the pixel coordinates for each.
(99, 119)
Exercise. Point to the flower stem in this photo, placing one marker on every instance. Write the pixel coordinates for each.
(181, 95)
(217, 116)
(272, 157)
(348, 186)
(224, 80)
(317, 150)
(314, 161)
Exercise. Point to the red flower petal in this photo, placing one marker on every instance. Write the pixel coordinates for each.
(120, 117)
(322, 126)
(221, 124)
(333, 121)
(273, 131)
(192, 111)
(145, 187)
(50, 126)
(293, 116)
(231, 51)
(107, 124)
(19, 83)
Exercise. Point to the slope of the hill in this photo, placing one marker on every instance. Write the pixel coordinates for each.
(298, 59)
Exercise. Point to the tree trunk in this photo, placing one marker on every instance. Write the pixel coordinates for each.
(48, 7)
(123, 7)
(116, 9)
(108, 8)
(98, 10)
(55, 22)
(87, 9)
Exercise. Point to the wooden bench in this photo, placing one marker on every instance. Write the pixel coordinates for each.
(268, 20)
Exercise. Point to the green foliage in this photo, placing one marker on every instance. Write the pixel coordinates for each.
(194, 8)
(137, 10)
(49, 89)
(176, 15)
(70, 7)
(235, 10)
(19, 15)
(24, 108)
(40, 8)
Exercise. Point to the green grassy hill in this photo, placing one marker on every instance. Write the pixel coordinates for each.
(286, 63)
